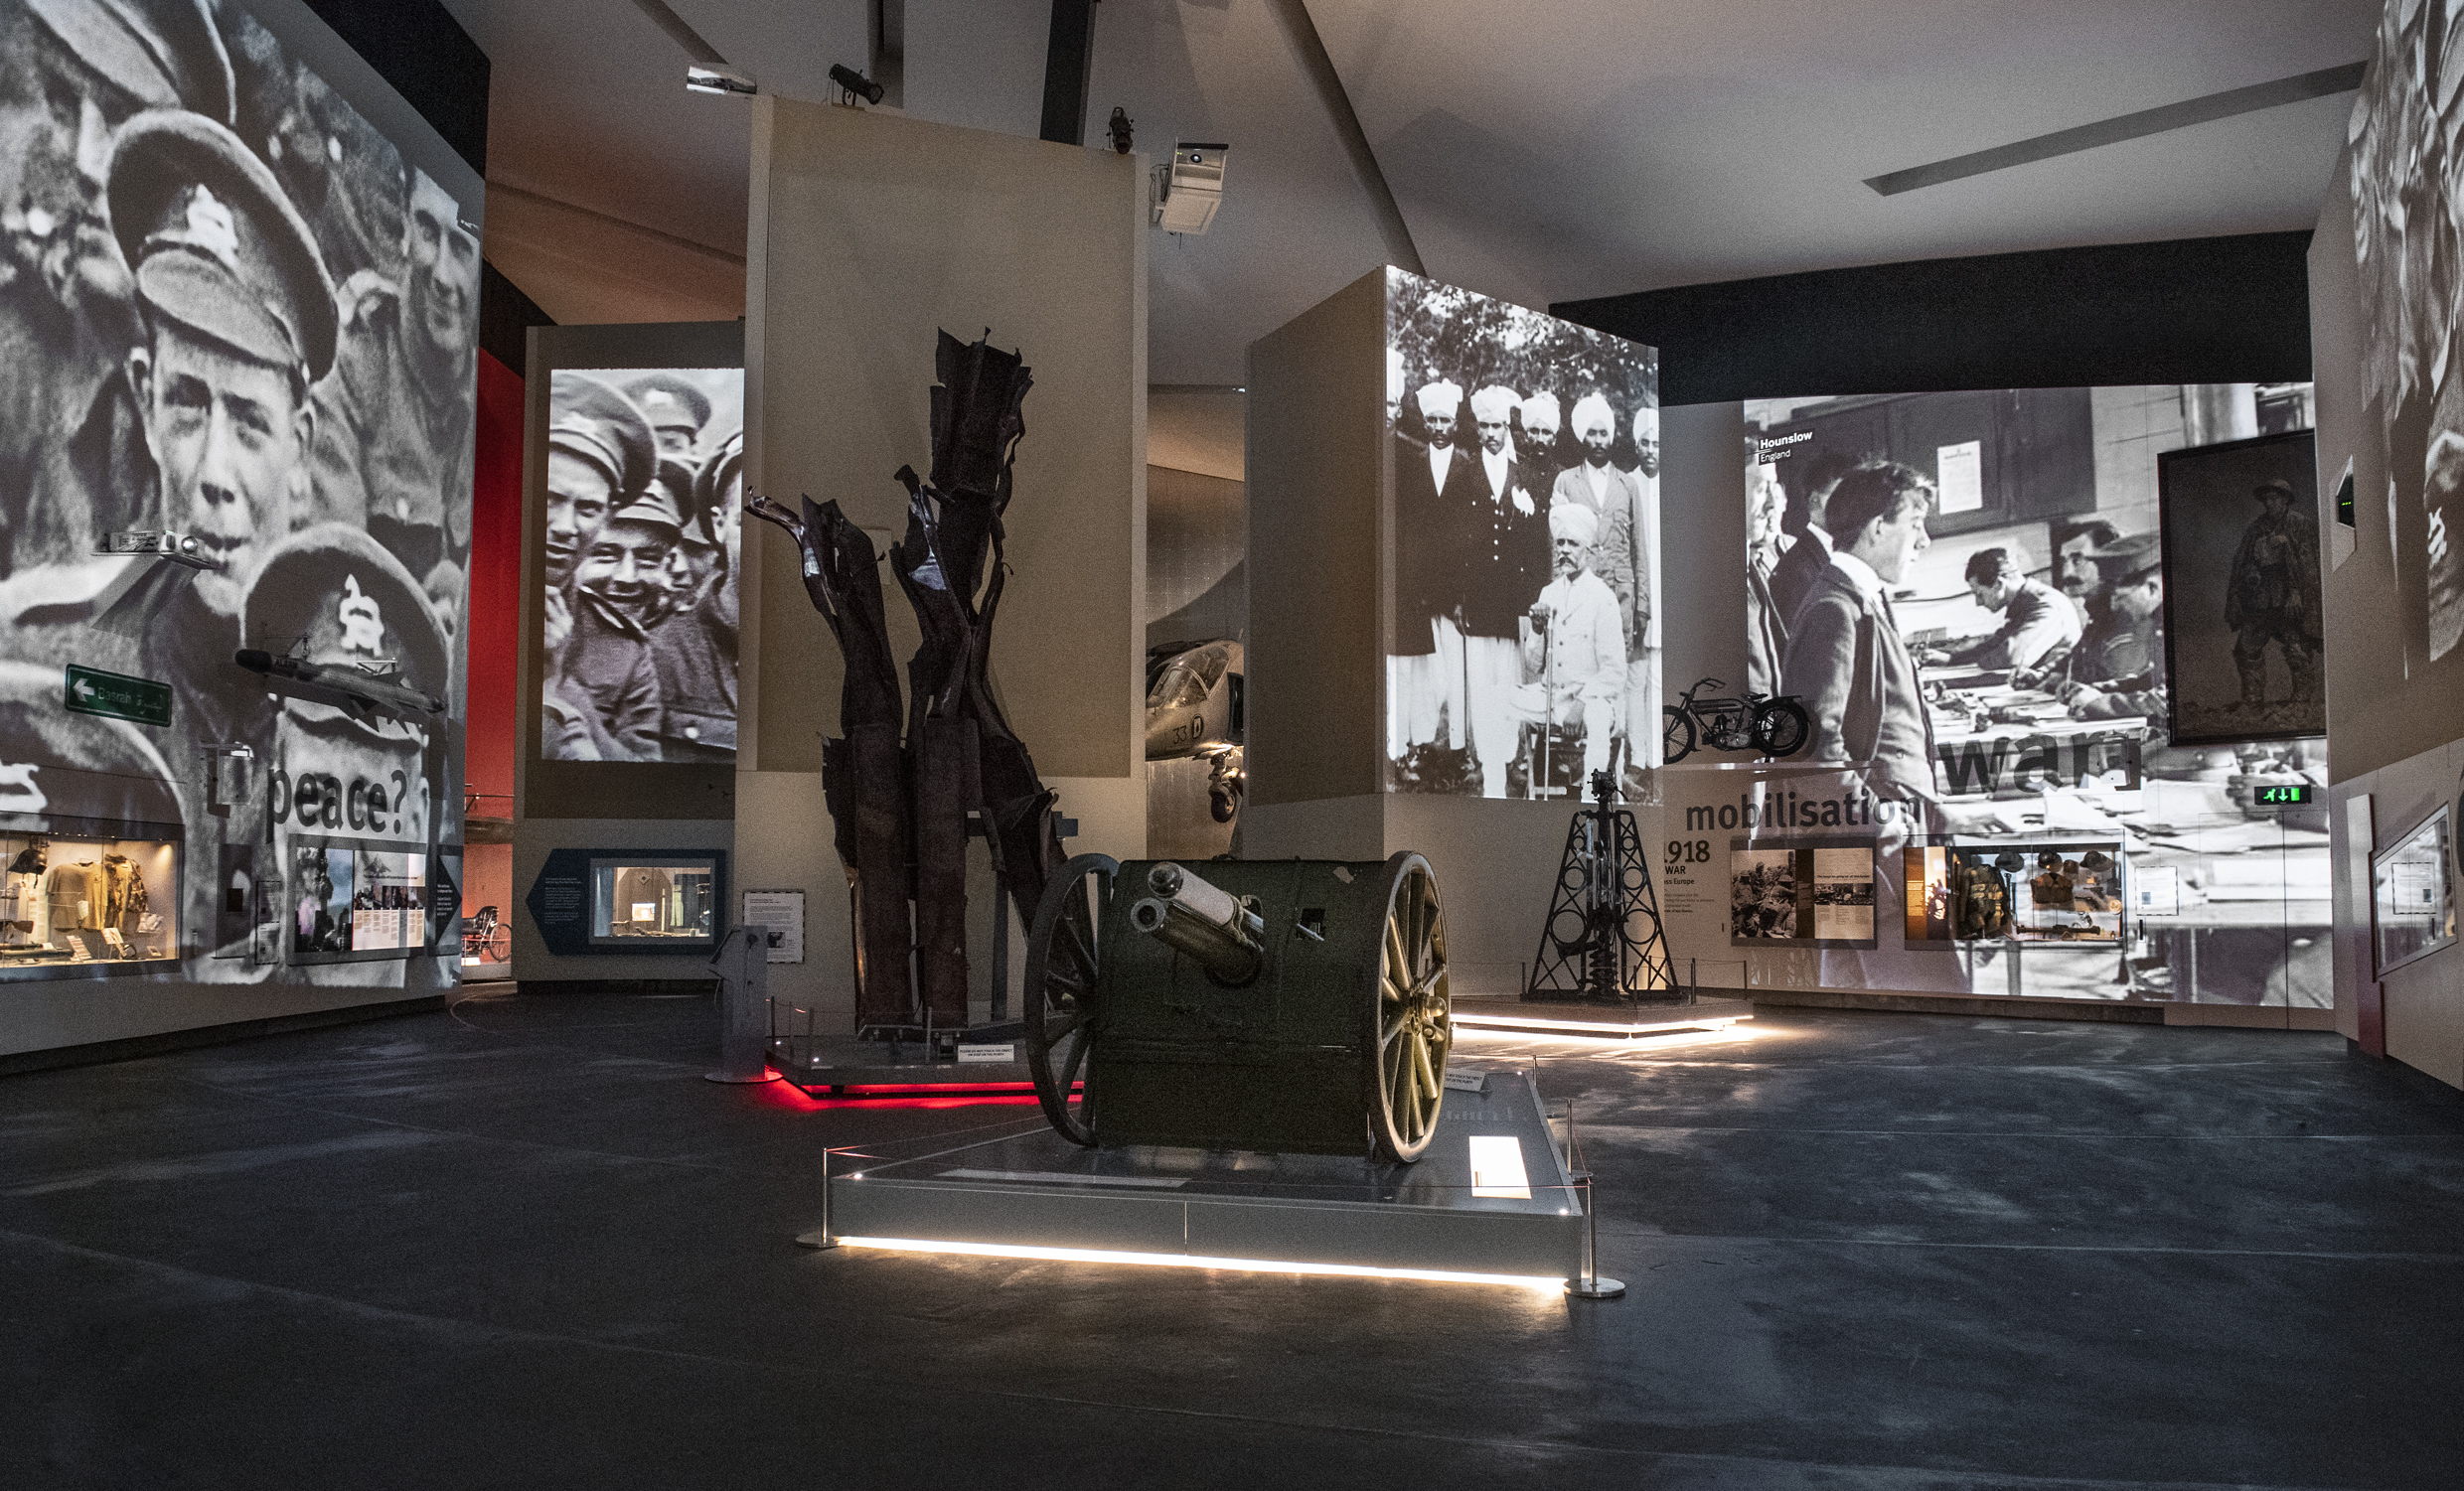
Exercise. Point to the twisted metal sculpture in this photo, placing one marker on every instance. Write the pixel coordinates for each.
(901, 809)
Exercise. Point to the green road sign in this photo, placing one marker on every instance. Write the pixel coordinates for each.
(90, 690)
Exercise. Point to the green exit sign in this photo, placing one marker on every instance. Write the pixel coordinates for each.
(2284, 795)
(90, 690)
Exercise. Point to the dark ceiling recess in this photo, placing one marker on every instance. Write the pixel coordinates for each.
(420, 48)
(2233, 309)
(504, 315)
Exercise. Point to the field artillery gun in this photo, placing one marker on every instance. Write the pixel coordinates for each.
(1286, 1005)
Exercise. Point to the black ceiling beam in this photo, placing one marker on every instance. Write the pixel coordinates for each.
(1069, 66)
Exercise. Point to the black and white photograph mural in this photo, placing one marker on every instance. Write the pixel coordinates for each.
(1526, 633)
(2408, 247)
(2243, 613)
(644, 523)
(237, 342)
(1970, 592)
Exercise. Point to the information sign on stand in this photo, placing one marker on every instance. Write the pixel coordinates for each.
(781, 914)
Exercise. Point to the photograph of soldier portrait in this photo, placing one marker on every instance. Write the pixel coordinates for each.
(644, 531)
(2241, 602)
(1525, 643)
(233, 312)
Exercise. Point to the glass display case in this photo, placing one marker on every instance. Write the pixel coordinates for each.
(667, 898)
(2021, 892)
(2411, 899)
(81, 899)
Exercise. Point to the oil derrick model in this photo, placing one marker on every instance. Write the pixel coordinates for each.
(1603, 939)
(901, 805)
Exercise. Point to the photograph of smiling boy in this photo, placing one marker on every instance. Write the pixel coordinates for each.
(643, 527)
(233, 311)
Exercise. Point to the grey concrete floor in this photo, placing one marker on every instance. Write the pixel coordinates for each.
(525, 1245)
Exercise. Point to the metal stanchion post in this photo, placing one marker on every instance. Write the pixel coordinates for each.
(1591, 1286)
(822, 1236)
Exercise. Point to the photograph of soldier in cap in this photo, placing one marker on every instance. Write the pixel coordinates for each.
(233, 312)
(2241, 613)
(1500, 417)
(643, 518)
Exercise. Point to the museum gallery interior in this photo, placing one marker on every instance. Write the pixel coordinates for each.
(1097, 742)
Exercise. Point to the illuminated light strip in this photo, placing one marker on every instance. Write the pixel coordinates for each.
(1193, 1261)
(869, 1088)
(1588, 1027)
(921, 1100)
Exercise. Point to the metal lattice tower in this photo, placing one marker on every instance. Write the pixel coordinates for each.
(1602, 939)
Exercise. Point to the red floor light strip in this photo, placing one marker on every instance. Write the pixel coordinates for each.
(868, 1089)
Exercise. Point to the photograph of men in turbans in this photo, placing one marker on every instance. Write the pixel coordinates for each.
(234, 312)
(2242, 599)
(1525, 642)
(644, 506)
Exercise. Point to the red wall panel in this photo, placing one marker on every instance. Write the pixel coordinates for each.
(496, 587)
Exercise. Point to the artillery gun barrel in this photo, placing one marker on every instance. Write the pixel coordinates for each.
(1224, 936)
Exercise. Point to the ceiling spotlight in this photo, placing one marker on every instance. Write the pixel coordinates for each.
(702, 80)
(857, 83)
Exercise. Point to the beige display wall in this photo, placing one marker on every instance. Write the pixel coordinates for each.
(1320, 561)
(871, 233)
(2394, 715)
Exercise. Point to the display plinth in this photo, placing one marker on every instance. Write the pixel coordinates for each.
(822, 1066)
(1616, 1021)
(1235, 1209)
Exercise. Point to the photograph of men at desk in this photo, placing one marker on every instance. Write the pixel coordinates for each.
(1966, 591)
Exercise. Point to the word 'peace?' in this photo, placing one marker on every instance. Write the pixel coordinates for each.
(322, 801)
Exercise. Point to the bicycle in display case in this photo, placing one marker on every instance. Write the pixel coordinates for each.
(1774, 727)
(486, 938)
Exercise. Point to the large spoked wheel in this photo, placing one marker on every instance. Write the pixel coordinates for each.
(1780, 727)
(1061, 970)
(1411, 1022)
(1676, 735)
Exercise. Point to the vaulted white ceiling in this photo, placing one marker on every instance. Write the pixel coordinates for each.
(1541, 151)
